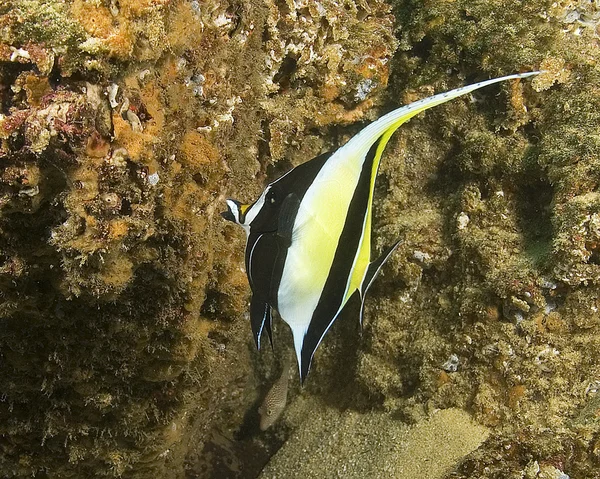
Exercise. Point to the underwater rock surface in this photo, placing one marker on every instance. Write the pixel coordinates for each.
(123, 125)
(356, 445)
(125, 349)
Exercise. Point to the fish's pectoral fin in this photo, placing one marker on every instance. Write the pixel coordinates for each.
(260, 315)
(371, 274)
(287, 216)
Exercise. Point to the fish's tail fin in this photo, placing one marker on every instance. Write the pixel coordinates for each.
(384, 127)
(372, 272)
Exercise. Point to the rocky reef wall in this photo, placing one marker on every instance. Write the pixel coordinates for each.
(492, 302)
(124, 345)
(123, 126)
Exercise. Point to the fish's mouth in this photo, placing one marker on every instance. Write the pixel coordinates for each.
(234, 211)
(228, 215)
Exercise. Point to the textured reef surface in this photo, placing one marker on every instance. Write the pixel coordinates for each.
(125, 349)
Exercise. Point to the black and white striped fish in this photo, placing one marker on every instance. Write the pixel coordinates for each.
(308, 247)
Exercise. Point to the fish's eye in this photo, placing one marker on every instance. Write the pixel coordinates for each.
(271, 197)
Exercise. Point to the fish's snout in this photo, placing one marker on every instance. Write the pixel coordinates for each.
(228, 215)
(268, 416)
(233, 211)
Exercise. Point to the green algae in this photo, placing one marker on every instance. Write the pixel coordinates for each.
(41, 21)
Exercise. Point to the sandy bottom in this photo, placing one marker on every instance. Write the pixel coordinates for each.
(356, 445)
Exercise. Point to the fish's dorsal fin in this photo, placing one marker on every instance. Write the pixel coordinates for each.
(371, 141)
(385, 126)
(371, 274)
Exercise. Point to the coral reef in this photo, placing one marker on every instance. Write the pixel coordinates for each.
(122, 126)
(327, 62)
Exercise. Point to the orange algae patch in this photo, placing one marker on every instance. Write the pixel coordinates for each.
(199, 158)
(442, 379)
(134, 142)
(97, 21)
(374, 65)
(555, 71)
(181, 201)
(136, 8)
(120, 45)
(197, 150)
(329, 91)
(117, 229)
(552, 323)
(336, 113)
(515, 394)
(184, 29)
(139, 143)
(516, 98)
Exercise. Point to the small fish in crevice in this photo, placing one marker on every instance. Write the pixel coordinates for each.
(309, 249)
(276, 399)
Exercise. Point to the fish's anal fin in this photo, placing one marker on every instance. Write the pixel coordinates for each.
(371, 274)
(260, 315)
(287, 216)
(309, 342)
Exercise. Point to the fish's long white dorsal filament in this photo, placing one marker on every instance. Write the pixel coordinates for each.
(395, 118)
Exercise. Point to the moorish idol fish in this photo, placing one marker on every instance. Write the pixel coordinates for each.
(308, 247)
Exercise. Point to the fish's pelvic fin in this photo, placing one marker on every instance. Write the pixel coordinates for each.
(371, 274)
(260, 316)
(269, 326)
